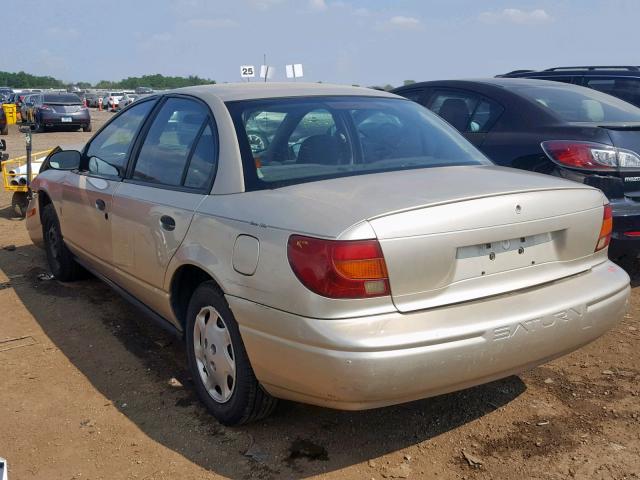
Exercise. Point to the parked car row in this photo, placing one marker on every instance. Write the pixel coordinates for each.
(347, 247)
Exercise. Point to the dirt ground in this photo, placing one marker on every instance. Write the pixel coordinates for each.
(90, 389)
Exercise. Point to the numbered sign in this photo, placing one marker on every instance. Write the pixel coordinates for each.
(247, 71)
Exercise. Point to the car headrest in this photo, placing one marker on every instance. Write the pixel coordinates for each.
(321, 149)
(455, 111)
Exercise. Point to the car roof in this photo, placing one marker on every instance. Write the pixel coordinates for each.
(587, 70)
(228, 92)
(494, 82)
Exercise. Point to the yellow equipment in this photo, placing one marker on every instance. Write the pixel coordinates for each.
(10, 112)
(14, 179)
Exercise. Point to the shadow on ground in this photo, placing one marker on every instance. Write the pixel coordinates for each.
(97, 330)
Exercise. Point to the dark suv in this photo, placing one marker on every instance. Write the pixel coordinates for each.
(622, 82)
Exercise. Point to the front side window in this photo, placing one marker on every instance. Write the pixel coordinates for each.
(167, 150)
(580, 104)
(109, 151)
(313, 138)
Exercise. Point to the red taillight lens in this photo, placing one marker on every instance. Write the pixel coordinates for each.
(591, 156)
(45, 107)
(605, 230)
(339, 269)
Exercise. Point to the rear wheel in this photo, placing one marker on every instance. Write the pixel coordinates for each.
(5, 130)
(218, 361)
(88, 128)
(38, 126)
(61, 261)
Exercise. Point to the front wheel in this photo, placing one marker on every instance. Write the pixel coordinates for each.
(61, 261)
(218, 361)
(88, 128)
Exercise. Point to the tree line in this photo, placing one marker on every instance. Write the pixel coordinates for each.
(156, 81)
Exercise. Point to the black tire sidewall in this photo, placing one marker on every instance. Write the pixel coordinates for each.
(65, 268)
(236, 409)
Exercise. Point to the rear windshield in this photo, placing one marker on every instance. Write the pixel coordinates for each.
(285, 141)
(581, 104)
(67, 99)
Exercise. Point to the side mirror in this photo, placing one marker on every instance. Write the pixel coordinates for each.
(65, 160)
(3, 145)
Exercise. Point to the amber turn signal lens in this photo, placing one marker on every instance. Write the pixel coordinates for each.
(374, 268)
(606, 229)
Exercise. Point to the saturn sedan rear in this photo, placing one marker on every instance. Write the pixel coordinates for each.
(332, 245)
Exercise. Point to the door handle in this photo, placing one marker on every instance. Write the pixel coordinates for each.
(168, 223)
(100, 205)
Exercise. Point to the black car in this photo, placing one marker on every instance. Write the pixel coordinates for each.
(59, 110)
(620, 81)
(4, 129)
(564, 130)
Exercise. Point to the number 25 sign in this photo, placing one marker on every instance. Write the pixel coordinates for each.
(247, 71)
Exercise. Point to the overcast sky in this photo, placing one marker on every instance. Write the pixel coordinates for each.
(345, 41)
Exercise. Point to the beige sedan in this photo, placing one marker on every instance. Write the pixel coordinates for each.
(360, 254)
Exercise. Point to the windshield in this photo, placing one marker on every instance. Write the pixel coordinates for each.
(581, 104)
(66, 99)
(285, 141)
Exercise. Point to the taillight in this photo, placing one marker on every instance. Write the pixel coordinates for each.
(45, 107)
(589, 155)
(605, 230)
(339, 269)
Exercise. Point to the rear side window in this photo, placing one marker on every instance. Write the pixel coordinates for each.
(465, 111)
(109, 150)
(68, 99)
(554, 78)
(577, 104)
(173, 143)
(627, 89)
(413, 95)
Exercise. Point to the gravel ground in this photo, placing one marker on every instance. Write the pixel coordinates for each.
(91, 389)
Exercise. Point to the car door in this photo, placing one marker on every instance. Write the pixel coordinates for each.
(471, 114)
(88, 193)
(152, 209)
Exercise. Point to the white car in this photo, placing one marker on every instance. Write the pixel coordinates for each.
(111, 100)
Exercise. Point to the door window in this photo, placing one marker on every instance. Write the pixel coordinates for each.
(109, 150)
(467, 112)
(626, 88)
(168, 149)
(455, 107)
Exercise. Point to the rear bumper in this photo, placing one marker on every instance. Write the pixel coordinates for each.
(626, 218)
(387, 359)
(55, 120)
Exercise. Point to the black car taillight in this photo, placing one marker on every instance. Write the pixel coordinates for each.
(589, 155)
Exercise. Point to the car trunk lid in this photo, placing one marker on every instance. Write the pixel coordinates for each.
(477, 247)
(65, 107)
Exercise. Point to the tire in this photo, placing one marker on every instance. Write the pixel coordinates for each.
(243, 400)
(61, 261)
(5, 130)
(37, 126)
(88, 128)
(19, 203)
